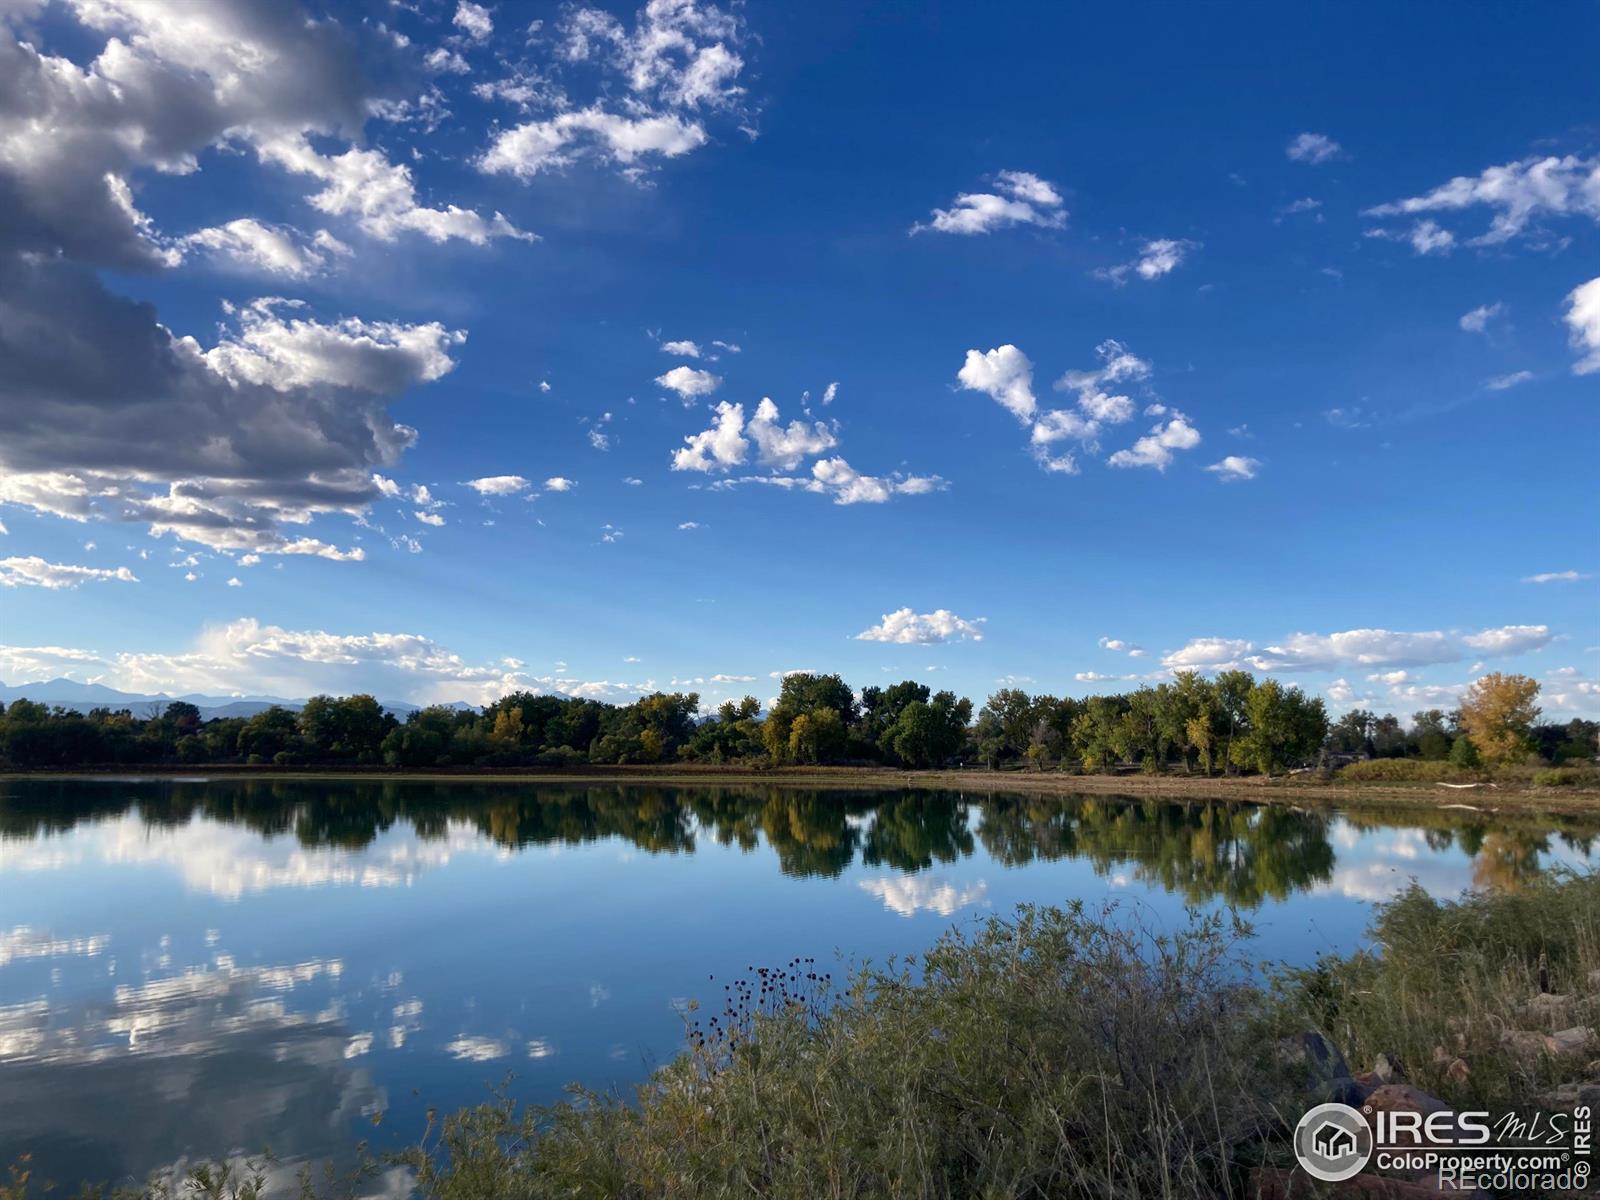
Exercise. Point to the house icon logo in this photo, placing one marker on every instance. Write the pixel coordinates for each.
(1332, 1142)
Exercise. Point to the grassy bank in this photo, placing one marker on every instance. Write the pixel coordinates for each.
(1517, 791)
(1067, 1052)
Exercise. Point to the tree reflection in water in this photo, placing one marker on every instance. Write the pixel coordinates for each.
(1241, 854)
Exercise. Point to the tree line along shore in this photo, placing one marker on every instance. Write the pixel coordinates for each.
(1231, 725)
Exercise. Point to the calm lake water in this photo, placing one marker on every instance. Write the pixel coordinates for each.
(193, 968)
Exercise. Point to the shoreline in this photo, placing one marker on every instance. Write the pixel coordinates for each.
(1511, 797)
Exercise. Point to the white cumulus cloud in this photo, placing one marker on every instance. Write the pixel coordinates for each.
(1235, 467)
(689, 382)
(498, 485)
(1019, 198)
(1583, 322)
(34, 571)
(907, 627)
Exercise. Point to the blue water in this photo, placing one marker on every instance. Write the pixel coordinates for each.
(201, 968)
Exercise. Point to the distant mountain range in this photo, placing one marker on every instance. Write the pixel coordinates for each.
(69, 693)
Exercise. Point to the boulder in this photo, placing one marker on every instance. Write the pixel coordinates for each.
(1388, 1068)
(1571, 1041)
(1549, 1007)
(1569, 1095)
(1528, 1045)
(1314, 1054)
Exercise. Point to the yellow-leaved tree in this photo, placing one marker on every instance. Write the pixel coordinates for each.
(1498, 712)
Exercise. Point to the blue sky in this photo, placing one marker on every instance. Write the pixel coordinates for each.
(1262, 335)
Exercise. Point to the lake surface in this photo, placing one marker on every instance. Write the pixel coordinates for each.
(194, 968)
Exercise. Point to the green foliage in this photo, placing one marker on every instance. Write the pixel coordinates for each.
(810, 721)
(1192, 723)
(1464, 754)
(1403, 770)
(1567, 777)
(1455, 976)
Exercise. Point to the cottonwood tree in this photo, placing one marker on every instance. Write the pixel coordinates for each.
(1498, 712)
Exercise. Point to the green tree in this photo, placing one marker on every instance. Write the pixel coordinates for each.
(1233, 690)
(1463, 753)
(816, 736)
(803, 694)
(1283, 726)
(1095, 732)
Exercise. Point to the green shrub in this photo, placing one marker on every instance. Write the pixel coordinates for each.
(1403, 770)
(1463, 753)
(1448, 979)
(1566, 777)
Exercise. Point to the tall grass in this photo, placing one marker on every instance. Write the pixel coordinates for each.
(1058, 1052)
(1457, 981)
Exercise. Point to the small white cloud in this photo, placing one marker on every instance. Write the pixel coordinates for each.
(1429, 237)
(544, 385)
(1313, 149)
(1019, 199)
(1501, 383)
(1510, 639)
(1156, 448)
(429, 518)
(686, 349)
(558, 484)
(1005, 375)
(34, 571)
(1235, 467)
(446, 61)
(830, 393)
(1347, 418)
(686, 525)
(1478, 320)
(1583, 320)
(473, 20)
(235, 581)
(498, 485)
(1156, 258)
(1556, 577)
(1121, 647)
(906, 627)
(689, 382)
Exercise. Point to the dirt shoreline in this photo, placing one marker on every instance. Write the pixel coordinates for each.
(1294, 791)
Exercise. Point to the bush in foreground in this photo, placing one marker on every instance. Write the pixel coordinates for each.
(1406, 770)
